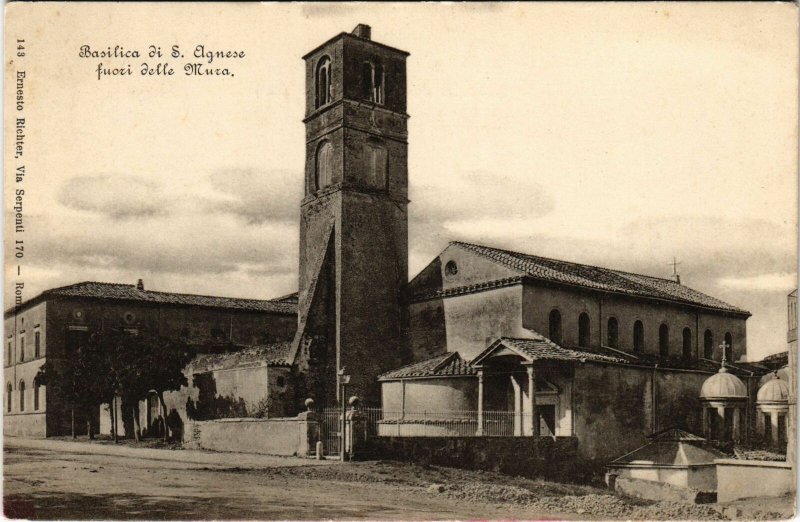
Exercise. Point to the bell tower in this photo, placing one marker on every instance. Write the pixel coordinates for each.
(354, 220)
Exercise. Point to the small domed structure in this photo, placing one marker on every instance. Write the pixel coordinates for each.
(724, 399)
(722, 386)
(774, 391)
(772, 407)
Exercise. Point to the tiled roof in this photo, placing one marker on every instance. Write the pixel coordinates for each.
(445, 365)
(122, 292)
(599, 278)
(543, 349)
(274, 354)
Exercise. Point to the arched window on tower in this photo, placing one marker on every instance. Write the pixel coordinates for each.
(373, 79)
(708, 345)
(555, 326)
(21, 395)
(613, 332)
(9, 394)
(323, 92)
(687, 343)
(728, 346)
(324, 165)
(584, 329)
(663, 340)
(377, 163)
(638, 337)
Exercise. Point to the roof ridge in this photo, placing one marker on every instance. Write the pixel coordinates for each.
(161, 292)
(517, 253)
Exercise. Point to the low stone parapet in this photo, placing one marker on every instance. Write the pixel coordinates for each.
(289, 436)
(752, 478)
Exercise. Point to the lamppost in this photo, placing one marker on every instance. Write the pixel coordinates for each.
(344, 380)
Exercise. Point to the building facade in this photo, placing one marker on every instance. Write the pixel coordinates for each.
(53, 324)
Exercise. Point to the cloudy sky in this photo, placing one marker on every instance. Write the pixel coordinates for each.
(619, 135)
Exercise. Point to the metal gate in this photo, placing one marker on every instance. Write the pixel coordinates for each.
(330, 431)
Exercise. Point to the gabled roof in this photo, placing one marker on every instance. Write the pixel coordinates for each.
(445, 365)
(122, 292)
(540, 348)
(243, 356)
(599, 278)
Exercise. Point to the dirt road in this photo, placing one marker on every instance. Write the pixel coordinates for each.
(46, 484)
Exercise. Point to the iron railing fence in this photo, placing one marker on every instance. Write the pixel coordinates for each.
(460, 423)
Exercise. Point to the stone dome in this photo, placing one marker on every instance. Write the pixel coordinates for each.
(776, 390)
(723, 385)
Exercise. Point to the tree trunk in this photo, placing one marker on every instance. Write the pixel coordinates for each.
(114, 416)
(72, 421)
(136, 425)
(89, 426)
(164, 414)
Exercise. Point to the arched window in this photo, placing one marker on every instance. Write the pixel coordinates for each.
(21, 395)
(687, 343)
(372, 79)
(638, 337)
(376, 163)
(613, 332)
(324, 82)
(324, 165)
(708, 345)
(584, 330)
(36, 388)
(9, 393)
(555, 326)
(663, 340)
(728, 346)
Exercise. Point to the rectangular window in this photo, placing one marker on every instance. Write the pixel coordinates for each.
(37, 346)
(22, 349)
(9, 355)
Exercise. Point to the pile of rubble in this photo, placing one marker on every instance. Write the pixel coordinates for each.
(594, 504)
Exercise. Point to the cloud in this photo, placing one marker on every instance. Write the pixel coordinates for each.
(765, 282)
(117, 197)
(257, 196)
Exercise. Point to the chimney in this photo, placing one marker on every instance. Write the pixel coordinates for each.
(677, 278)
(363, 31)
(140, 285)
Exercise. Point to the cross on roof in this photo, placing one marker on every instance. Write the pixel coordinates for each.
(674, 264)
(724, 347)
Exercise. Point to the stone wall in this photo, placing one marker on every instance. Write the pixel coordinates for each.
(554, 459)
(291, 436)
(753, 478)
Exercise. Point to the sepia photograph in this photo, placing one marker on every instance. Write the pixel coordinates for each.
(384, 261)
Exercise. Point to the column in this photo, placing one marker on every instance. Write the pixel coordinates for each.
(706, 424)
(480, 402)
(532, 401)
(736, 420)
(517, 406)
(773, 419)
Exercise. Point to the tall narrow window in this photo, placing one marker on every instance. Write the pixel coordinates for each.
(638, 337)
(324, 95)
(9, 361)
(9, 393)
(37, 344)
(687, 343)
(21, 395)
(372, 82)
(584, 330)
(663, 341)
(728, 346)
(555, 326)
(22, 348)
(324, 165)
(36, 388)
(613, 332)
(708, 345)
(376, 164)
